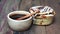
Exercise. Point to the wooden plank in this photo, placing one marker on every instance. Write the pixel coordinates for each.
(54, 28)
(1, 7)
(36, 3)
(8, 5)
(37, 30)
(25, 4)
(40, 2)
(2, 2)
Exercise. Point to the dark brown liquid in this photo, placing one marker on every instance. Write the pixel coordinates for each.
(15, 16)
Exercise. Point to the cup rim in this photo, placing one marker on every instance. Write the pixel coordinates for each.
(18, 20)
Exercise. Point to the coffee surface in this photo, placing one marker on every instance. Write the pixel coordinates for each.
(15, 16)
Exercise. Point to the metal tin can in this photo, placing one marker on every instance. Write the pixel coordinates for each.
(42, 19)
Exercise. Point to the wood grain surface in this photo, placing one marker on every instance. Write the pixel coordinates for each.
(11, 5)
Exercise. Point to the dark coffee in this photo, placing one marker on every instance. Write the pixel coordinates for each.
(15, 16)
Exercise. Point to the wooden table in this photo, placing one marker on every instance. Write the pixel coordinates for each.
(54, 28)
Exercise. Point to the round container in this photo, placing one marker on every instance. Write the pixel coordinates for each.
(38, 20)
(19, 25)
(44, 21)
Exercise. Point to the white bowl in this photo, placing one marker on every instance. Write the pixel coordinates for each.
(19, 25)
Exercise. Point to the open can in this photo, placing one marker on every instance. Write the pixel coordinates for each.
(45, 17)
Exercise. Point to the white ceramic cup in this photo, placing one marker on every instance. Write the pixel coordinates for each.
(19, 25)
